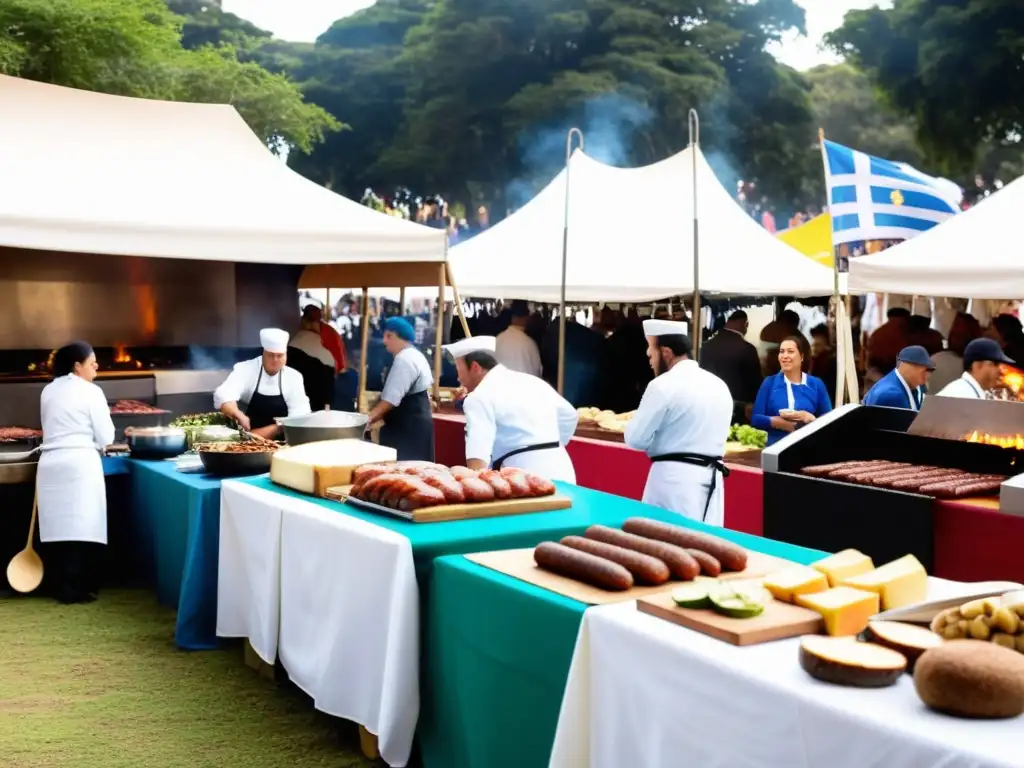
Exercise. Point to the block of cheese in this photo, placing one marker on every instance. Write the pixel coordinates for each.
(846, 610)
(899, 583)
(842, 565)
(786, 584)
(314, 467)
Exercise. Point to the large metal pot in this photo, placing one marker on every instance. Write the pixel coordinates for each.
(324, 425)
(156, 442)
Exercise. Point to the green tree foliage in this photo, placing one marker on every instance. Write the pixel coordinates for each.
(957, 66)
(208, 24)
(133, 48)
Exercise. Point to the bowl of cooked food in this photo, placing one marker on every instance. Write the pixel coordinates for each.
(237, 459)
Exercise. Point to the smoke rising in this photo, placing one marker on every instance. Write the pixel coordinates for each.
(200, 359)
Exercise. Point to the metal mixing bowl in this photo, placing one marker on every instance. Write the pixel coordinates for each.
(156, 442)
(324, 425)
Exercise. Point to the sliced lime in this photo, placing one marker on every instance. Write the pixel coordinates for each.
(736, 606)
(694, 595)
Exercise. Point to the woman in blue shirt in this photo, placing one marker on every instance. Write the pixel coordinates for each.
(790, 398)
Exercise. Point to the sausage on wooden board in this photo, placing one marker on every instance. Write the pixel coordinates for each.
(582, 566)
(645, 569)
(502, 489)
(680, 562)
(709, 566)
(476, 490)
(518, 482)
(446, 484)
(731, 556)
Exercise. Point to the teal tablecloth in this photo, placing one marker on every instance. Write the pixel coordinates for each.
(495, 651)
(177, 519)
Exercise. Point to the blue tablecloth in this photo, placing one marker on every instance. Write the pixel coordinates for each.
(177, 517)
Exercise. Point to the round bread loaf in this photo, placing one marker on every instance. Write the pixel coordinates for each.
(971, 678)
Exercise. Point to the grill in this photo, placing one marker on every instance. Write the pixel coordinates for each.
(981, 436)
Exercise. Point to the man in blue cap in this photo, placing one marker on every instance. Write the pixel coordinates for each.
(904, 386)
(982, 358)
(404, 405)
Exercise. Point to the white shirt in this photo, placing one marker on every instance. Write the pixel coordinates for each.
(75, 414)
(310, 342)
(517, 351)
(410, 373)
(686, 410)
(965, 387)
(240, 384)
(511, 410)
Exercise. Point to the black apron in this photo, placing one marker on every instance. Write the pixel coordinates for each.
(263, 409)
(409, 428)
(496, 464)
(715, 463)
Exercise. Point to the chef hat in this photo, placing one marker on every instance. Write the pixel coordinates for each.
(472, 344)
(274, 340)
(401, 328)
(664, 328)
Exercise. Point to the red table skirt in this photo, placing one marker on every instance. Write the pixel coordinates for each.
(614, 468)
(972, 542)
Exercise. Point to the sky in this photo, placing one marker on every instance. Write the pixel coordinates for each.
(305, 20)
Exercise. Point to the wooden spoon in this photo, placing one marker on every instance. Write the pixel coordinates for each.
(25, 571)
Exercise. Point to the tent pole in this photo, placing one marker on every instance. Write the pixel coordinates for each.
(457, 299)
(565, 257)
(842, 355)
(401, 301)
(439, 334)
(363, 346)
(693, 123)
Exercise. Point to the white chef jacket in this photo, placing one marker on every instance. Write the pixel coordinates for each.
(686, 410)
(410, 373)
(311, 343)
(966, 387)
(240, 384)
(511, 410)
(517, 351)
(72, 493)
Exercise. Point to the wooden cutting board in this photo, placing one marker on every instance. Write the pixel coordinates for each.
(519, 564)
(779, 621)
(447, 512)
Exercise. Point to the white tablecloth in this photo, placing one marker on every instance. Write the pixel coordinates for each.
(344, 594)
(645, 692)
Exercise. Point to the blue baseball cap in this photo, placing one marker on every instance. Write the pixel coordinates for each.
(985, 350)
(916, 355)
(401, 328)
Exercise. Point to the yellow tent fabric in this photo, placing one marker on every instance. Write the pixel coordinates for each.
(813, 239)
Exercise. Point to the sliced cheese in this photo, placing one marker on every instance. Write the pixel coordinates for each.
(800, 580)
(846, 610)
(314, 467)
(899, 583)
(842, 565)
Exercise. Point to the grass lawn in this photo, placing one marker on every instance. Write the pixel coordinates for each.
(102, 686)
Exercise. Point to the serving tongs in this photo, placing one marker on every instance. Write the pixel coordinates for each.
(923, 613)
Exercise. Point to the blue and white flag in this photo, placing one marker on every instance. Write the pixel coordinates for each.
(874, 199)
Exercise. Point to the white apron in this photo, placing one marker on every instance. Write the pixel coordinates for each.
(683, 488)
(72, 496)
(552, 463)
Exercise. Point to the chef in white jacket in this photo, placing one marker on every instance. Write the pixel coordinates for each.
(512, 419)
(682, 425)
(70, 487)
(261, 390)
(982, 358)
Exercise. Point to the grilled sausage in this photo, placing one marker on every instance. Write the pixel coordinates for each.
(915, 482)
(883, 479)
(366, 471)
(459, 472)
(645, 569)
(540, 486)
(416, 494)
(582, 566)
(731, 556)
(709, 566)
(373, 488)
(446, 484)
(410, 467)
(517, 482)
(476, 490)
(953, 489)
(502, 489)
(680, 562)
(820, 470)
(839, 474)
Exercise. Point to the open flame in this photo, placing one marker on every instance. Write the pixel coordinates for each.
(121, 357)
(1003, 441)
(1012, 380)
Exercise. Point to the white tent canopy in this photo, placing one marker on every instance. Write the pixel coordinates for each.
(631, 239)
(92, 173)
(976, 254)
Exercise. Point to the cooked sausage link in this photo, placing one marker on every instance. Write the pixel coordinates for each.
(476, 490)
(645, 569)
(732, 557)
(709, 566)
(582, 566)
(502, 489)
(540, 486)
(518, 482)
(680, 562)
(446, 484)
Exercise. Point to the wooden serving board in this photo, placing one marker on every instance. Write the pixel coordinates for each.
(779, 621)
(447, 512)
(519, 564)
(591, 431)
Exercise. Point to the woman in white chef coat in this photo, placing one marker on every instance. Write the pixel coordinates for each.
(72, 494)
(261, 390)
(513, 419)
